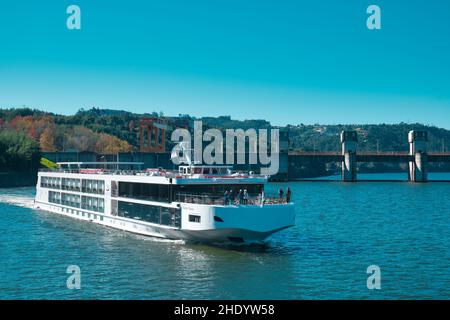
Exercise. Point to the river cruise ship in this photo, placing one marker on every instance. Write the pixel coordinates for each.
(198, 203)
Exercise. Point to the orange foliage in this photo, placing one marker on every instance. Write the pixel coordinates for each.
(55, 138)
(110, 144)
(47, 141)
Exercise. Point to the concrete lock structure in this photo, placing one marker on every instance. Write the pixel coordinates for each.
(418, 141)
(349, 142)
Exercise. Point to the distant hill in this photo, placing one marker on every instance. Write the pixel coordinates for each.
(371, 137)
(121, 128)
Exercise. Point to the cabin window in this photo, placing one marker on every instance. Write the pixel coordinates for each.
(148, 213)
(71, 184)
(144, 191)
(93, 204)
(54, 197)
(93, 186)
(194, 218)
(50, 182)
(70, 200)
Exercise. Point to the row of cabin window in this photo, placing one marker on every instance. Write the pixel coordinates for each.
(86, 185)
(83, 202)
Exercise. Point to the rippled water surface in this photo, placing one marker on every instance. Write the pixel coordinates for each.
(340, 230)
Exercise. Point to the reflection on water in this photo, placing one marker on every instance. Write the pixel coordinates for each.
(340, 229)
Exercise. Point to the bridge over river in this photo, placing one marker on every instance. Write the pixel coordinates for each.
(417, 158)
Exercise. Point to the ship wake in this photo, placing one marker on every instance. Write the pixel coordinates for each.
(20, 197)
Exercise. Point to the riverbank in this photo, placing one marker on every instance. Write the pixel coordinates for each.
(17, 179)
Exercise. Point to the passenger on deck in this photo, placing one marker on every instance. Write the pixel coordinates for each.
(280, 194)
(288, 195)
(245, 196)
(231, 196)
(240, 196)
(226, 199)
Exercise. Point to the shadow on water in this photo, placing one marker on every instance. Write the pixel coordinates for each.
(239, 247)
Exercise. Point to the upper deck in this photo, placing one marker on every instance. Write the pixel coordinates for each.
(211, 185)
(131, 171)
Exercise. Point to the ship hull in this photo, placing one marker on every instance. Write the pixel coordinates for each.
(147, 205)
(216, 235)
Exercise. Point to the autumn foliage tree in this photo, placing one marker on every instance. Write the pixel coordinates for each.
(52, 137)
(47, 141)
(110, 144)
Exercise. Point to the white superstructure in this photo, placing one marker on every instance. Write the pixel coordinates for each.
(187, 204)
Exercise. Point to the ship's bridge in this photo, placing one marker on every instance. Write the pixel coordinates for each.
(203, 171)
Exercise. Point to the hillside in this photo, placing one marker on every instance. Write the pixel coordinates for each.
(26, 131)
(371, 137)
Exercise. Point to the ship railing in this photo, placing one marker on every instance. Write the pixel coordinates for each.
(214, 199)
(109, 171)
(164, 173)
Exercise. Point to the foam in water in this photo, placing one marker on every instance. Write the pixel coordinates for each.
(17, 198)
(24, 198)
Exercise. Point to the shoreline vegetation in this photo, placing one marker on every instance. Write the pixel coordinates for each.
(25, 133)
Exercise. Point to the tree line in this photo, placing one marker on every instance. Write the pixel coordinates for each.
(25, 132)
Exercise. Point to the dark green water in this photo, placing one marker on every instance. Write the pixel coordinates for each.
(340, 230)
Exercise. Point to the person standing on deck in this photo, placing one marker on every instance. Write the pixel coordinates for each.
(231, 196)
(245, 196)
(226, 199)
(288, 195)
(280, 194)
(240, 196)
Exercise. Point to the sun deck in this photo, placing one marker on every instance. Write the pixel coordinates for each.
(195, 172)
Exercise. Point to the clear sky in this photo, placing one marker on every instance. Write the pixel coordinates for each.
(284, 61)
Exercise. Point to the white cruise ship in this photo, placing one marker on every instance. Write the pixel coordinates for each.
(188, 204)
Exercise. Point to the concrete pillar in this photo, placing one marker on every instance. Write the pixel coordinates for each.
(418, 141)
(349, 142)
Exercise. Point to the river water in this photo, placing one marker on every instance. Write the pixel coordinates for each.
(341, 229)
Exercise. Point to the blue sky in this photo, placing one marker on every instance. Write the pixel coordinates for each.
(284, 61)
